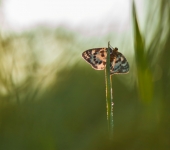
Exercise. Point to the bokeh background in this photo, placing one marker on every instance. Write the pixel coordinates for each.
(51, 99)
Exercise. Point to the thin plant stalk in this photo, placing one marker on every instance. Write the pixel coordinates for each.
(109, 96)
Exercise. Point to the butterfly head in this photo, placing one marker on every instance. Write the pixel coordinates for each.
(115, 49)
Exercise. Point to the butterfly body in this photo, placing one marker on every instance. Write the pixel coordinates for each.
(96, 57)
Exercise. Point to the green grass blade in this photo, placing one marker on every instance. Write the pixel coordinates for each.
(144, 75)
(109, 97)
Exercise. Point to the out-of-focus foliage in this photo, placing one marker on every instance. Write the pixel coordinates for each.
(29, 62)
(51, 99)
(143, 72)
(147, 47)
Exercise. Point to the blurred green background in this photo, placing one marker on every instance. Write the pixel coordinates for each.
(51, 99)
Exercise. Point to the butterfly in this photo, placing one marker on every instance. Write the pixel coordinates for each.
(96, 57)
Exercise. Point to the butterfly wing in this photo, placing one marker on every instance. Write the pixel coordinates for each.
(96, 57)
(119, 65)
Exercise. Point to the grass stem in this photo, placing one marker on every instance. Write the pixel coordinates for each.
(109, 96)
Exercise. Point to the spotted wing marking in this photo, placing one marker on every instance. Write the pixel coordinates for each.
(119, 64)
(96, 57)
